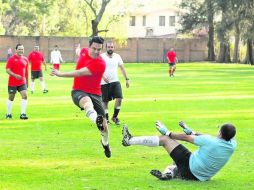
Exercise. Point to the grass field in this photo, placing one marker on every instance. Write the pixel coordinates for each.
(58, 148)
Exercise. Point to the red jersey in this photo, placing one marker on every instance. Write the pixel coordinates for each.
(36, 58)
(18, 65)
(89, 84)
(171, 55)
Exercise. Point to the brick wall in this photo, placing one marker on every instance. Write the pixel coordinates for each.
(135, 50)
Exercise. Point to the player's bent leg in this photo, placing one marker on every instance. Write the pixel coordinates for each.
(87, 105)
(168, 143)
(105, 138)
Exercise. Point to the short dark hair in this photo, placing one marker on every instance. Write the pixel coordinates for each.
(228, 131)
(18, 46)
(96, 39)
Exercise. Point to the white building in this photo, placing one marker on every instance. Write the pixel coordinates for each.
(154, 23)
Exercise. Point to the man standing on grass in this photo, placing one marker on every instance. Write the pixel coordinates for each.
(172, 60)
(17, 68)
(56, 58)
(110, 85)
(36, 58)
(212, 155)
(86, 90)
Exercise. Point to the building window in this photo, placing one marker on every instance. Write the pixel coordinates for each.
(132, 21)
(144, 20)
(162, 21)
(172, 21)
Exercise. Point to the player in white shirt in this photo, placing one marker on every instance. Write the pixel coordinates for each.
(56, 58)
(110, 85)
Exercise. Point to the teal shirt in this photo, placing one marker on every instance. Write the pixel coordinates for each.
(212, 155)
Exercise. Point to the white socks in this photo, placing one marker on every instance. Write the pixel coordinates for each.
(105, 137)
(43, 85)
(32, 86)
(9, 106)
(23, 106)
(145, 140)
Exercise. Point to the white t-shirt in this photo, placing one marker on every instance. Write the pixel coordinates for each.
(56, 57)
(112, 64)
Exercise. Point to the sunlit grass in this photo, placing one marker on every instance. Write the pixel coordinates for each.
(58, 148)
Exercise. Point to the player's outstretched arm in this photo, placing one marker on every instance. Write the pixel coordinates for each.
(81, 72)
(187, 130)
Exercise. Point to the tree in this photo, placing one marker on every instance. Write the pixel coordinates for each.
(98, 10)
(200, 14)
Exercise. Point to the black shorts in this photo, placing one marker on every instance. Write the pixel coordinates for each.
(77, 95)
(111, 91)
(181, 156)
(36, 74)
(172, 64)
(14, 89)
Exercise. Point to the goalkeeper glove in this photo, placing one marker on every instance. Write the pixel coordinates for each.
(162, 128)
(186, 129)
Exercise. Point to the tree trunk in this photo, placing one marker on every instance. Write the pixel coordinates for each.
(210, 14)
(236, 48)
(249, 59)
(95, 28)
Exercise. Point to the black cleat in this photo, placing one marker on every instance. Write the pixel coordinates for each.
(126, 136)
(45, 91)
(161, 176)
(8, 116)
(23, 116)
(107, 151)
(99, 122)
(116, 120)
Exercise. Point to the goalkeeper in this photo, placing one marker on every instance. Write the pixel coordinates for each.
(212, 154)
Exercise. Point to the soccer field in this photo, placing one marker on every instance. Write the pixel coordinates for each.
(57, 148)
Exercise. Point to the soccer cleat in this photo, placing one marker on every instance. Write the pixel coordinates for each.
(107, 150)
(99, 122)
(116, 120)
(45, 91)
(161, 176)
(8, 116)
(23, 116)
(126, 136)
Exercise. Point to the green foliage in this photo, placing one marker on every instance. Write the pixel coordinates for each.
(58, 148)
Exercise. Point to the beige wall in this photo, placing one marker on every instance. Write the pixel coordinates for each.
(136, 49)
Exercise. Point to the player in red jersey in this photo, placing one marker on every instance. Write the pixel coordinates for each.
(172, 60)
(86, 90)
(36, 59)
(17, 68)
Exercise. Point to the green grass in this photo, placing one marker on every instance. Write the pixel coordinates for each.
(58, 148)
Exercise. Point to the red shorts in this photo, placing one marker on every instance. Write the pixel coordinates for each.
(56, 66)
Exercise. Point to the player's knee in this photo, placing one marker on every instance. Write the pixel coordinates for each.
(87, 105)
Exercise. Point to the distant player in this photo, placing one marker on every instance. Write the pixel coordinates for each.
(9, 53)
(201, 165)
(56, 58)
(36, 59)
(172, 60)
(17, 68)
(86, 90)
(110, 85)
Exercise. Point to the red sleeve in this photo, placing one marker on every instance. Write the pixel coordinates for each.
(42, 57)
(29, 57)
(9, 64)
(27, 71)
